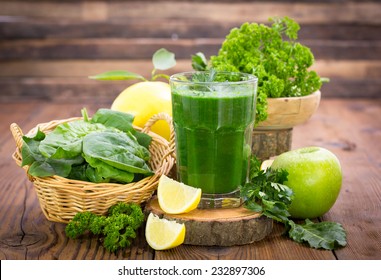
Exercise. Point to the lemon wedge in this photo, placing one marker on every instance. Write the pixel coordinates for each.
(175, 197)
(163, 234)
(266, 164)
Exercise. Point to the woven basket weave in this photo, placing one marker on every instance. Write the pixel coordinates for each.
(61, 198)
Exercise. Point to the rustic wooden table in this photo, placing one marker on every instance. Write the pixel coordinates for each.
(350, 128)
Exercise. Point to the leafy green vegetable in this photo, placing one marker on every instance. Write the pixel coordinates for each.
(266, 193)
(65, 141)
(199, 62)
(40, 165)
(31, 150)
(117, 229)
(115, 150)
(272, 54)
(98, 171)
(326, 235)
(78, 172)
(162, 59)
(121, 121)
(205, 76)
(112, 118)
(117, 75)
(90, 150)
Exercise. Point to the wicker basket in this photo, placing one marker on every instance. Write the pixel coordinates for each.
(61, 198)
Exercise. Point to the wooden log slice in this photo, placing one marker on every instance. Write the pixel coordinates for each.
(218, 227)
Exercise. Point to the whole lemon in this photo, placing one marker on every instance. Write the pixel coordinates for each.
(145, 99)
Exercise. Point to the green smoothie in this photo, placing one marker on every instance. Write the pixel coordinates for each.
(213, 129)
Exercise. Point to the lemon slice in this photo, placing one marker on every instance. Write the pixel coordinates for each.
(162, 234)
(175, 197)
(266, 164)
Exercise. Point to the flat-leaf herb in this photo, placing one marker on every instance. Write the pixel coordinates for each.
(326, 235)
(267, 193)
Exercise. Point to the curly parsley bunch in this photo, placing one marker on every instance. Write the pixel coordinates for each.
(118, 228)
(272, 54)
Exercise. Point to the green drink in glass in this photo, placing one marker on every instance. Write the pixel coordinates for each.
(213, 116)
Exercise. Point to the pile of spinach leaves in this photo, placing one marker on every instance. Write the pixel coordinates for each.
(105, 148)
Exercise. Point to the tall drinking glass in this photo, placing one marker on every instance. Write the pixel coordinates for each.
(213, 116)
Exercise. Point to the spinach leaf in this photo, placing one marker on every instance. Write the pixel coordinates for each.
(65, 141)
(42, 166)
(122, 121)
(103, 149)
(101, 172)
(117, 150)
(78, 172)
(30, 151)
(49, 167)
(112, 118)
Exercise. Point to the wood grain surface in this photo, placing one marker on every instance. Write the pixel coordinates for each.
(48, 48)
(349, 128)
(218, 227)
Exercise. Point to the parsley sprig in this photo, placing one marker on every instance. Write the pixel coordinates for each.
(117, 229)
(266, 192)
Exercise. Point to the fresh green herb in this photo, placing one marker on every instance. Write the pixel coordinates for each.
(162, 59)
(40, 165)
(273, 55)
(199, 62)
(105, 148)
(205, 76)
(117, 229)
(216, 79)
(267, 193)
(326, 235)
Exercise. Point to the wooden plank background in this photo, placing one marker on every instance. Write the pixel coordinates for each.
(49, 48)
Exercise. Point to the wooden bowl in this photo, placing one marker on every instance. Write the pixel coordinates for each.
(288, 112)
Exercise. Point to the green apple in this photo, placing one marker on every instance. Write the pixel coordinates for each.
(315, 176)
